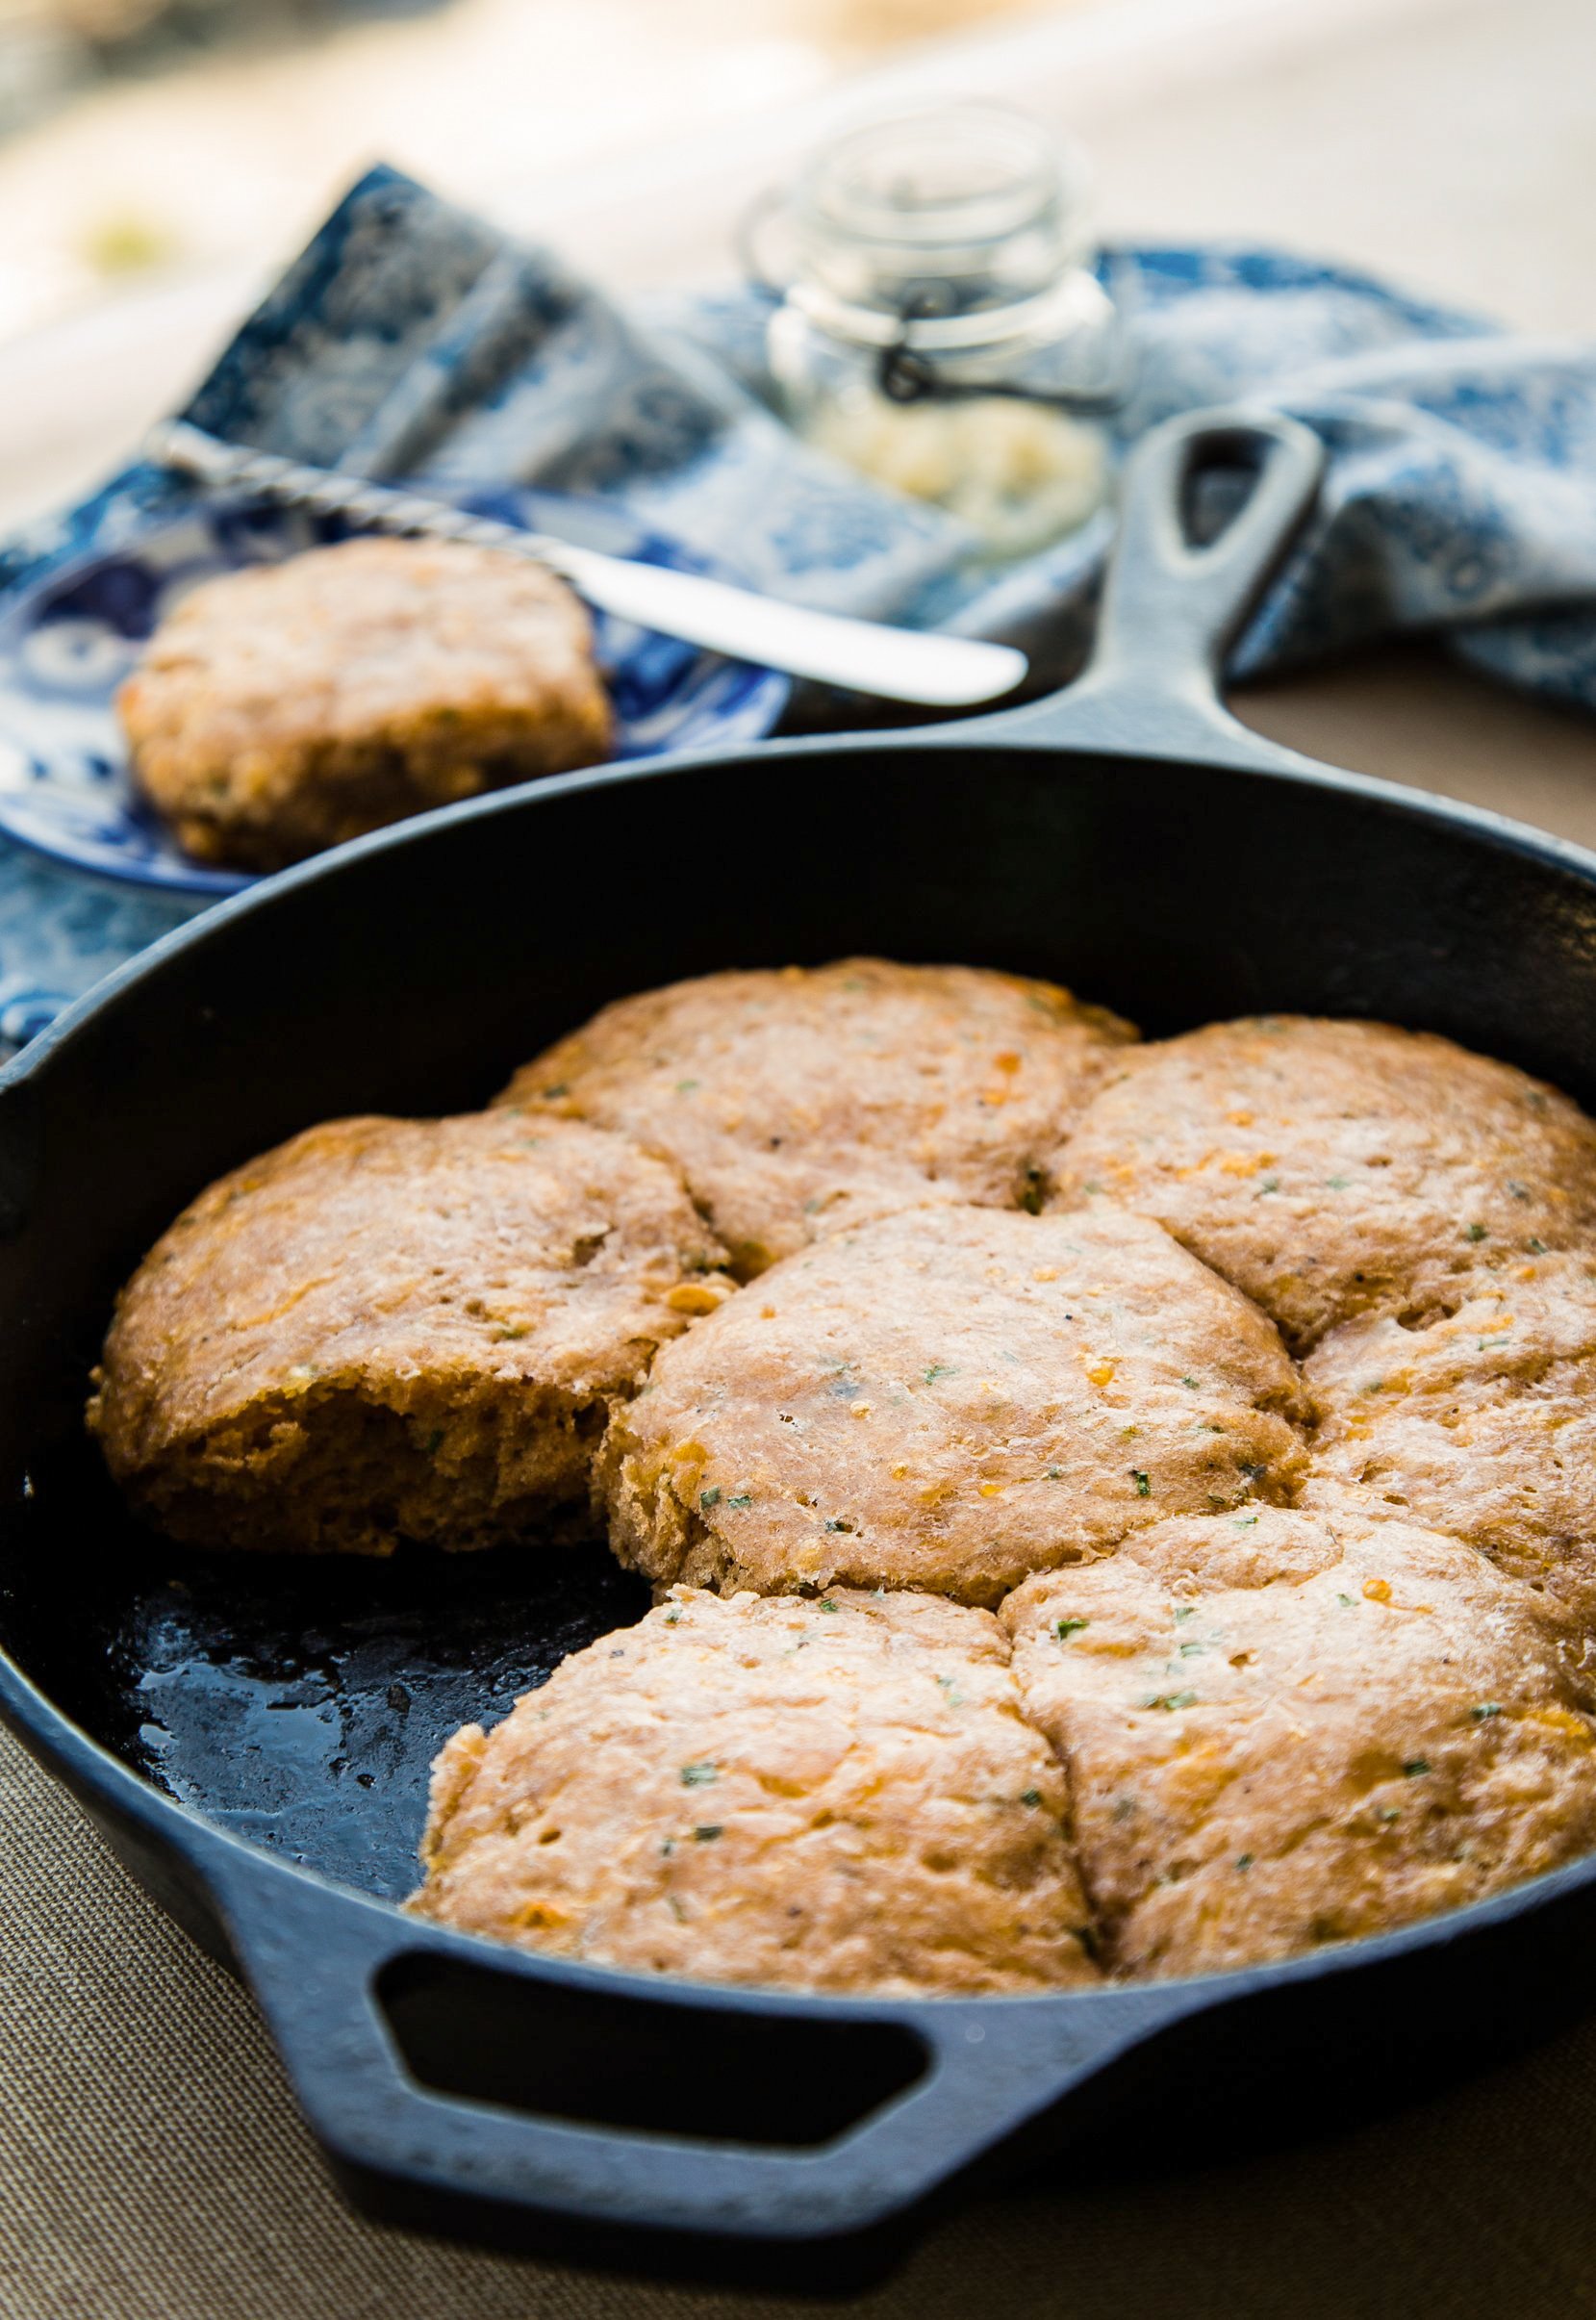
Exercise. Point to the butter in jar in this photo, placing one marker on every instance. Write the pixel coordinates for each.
(940, 330)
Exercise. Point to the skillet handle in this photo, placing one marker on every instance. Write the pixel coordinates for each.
(539, 2136)
(1171, 609)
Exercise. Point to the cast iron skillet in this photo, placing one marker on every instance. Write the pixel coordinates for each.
(252, 1738)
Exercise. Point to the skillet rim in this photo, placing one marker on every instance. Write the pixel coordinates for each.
(1267, 761)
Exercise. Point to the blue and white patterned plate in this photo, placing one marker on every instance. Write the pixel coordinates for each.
(66, 644)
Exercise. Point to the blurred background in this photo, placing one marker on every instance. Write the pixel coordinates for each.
(142, 136)
(160, 160)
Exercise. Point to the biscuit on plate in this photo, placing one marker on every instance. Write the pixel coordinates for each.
(830, 1796)
(392, 1329)
(1328, 1167)
(950, 1398)
(1284, 1729)
(284, 707)
(799, 1099)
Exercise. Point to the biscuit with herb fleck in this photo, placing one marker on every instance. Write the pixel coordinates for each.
(285, 707)
(838, 1796)
(950, 1398)
(1328, 1168)
(1283, 1729)
(798, 1100)
(1480, 1422)
(392, 1329)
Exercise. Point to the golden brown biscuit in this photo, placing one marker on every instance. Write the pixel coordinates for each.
(1329, 1168)
(798, 1100)
(285, 707)
(830, 1796)
(950, 1398)
(1481, 1422)
(397, 1328)
(1282, 1730)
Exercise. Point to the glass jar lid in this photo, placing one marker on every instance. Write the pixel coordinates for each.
(933, 228)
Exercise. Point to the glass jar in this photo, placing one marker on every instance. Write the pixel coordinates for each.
(939, 328)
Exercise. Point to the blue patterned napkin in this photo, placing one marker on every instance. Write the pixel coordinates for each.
(413, 340)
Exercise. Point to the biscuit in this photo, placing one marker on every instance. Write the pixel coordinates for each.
(1284, 1729)
(829, 1796)
(392, 1329)
(1327, 1168)
(285, 707)
(804, 1099)
(1480, 1422)
(950, 1398)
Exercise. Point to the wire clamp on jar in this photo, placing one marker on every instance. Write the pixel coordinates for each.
(935, 321)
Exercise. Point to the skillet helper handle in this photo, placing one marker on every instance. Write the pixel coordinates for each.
(1170, 607)
(934, 2088)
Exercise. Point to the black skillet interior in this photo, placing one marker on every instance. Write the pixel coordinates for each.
(297, 1705)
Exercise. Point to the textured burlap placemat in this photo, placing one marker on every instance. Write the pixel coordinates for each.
(152, 2167)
